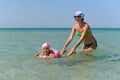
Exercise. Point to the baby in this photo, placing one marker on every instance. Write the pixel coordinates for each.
(48, 52)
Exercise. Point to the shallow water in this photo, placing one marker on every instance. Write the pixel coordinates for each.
(18, 46)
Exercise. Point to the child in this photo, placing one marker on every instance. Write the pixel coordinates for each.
(47, 52)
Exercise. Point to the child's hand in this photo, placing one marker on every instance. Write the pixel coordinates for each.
(37, 54)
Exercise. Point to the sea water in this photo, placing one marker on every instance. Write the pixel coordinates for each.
(18, 46)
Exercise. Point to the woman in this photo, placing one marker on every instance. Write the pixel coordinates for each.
(82, 29)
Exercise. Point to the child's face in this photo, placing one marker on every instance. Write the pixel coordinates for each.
(45, 50)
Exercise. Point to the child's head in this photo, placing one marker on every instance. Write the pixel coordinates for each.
(46, 48)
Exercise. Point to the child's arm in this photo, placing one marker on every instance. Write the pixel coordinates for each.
(52, 55)
(38, 54)
(46, 57)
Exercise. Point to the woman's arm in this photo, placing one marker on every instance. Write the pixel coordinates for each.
(79, 41)
(68, 40)
(82, 36)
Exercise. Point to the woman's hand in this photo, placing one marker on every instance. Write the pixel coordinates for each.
(72, 51)
(63, 51)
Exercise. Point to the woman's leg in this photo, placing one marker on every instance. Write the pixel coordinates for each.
(86, 50)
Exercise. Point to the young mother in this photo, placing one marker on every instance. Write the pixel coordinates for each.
(82, 29)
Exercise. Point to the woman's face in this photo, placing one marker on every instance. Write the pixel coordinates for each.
(78, 18)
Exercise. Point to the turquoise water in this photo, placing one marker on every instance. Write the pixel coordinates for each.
(18, 46)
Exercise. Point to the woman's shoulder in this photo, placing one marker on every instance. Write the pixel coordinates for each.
(86, 24)
(74, 26)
